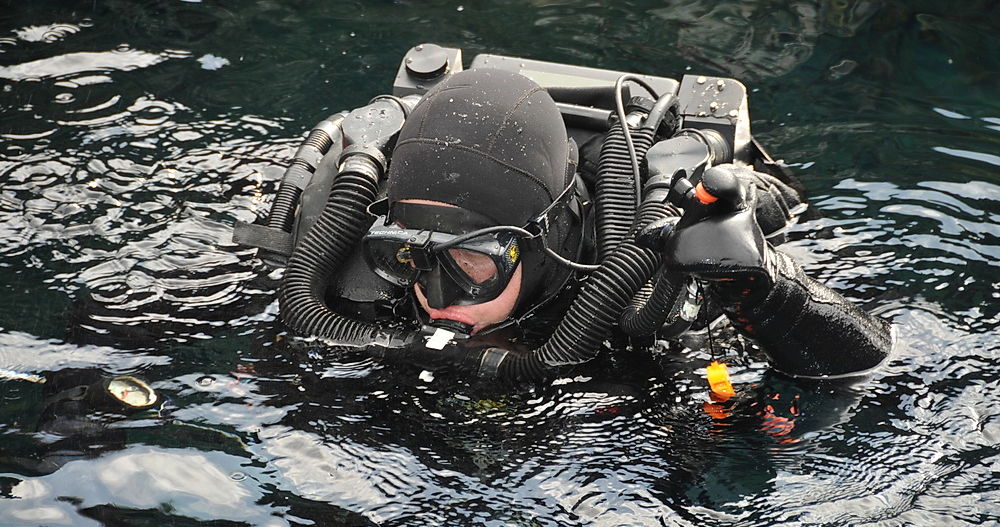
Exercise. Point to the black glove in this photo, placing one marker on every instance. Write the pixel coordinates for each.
(804, 327)
(777, 205)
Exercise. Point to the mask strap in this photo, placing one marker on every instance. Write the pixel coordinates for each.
(540, 224)
(437, 218)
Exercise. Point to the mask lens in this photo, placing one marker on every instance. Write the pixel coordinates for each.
(478, 267)
(470, 270)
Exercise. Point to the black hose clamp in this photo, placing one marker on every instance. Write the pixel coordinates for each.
(364, 158)
(489, 363)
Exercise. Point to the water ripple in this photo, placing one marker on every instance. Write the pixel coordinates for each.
(123, 167)
(27, 353)
(80, 62)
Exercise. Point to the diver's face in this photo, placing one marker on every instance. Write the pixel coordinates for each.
(478, 316)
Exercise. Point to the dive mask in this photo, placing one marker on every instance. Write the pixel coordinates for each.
(458, 257)
(452, 269)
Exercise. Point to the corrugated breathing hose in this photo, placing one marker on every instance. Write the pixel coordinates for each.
(282, 213)
(615, 200)
(321, 252)
(656, 300)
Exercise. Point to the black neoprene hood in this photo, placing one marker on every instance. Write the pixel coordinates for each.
(489, 141)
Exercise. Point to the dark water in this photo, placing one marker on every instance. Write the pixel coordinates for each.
(133, 134)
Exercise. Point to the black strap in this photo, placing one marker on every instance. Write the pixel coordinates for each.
(539, 225)
(263, 237)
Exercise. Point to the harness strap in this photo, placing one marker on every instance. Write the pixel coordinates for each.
(263, 237)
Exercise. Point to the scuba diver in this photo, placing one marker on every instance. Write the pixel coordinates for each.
(429, 224)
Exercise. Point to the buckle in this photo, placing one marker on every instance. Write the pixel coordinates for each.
(539, 225)
(418, 247)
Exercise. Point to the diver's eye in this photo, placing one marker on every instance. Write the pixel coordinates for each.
(477, 266)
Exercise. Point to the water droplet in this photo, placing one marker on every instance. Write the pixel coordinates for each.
(238, 476)
(460, 8)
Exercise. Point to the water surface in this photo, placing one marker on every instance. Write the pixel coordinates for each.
(133, 134)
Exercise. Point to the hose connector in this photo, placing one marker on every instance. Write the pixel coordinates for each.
(374, 128)
(364, 160)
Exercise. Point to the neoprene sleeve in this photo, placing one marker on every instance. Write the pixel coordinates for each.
(804, 327)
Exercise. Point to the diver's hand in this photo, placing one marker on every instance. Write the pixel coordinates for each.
(804, 328)
(778, 205)
(718, 236)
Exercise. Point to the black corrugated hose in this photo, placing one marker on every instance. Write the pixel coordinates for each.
(656, 301)
(653, 305)
(323, 249)
(582, 331)
(282, 213)
(615, 199)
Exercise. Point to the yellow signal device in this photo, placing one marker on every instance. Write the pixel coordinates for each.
(718, 380)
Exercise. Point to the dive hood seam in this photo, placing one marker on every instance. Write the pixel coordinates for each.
(510, 113)
(446, 144)
(431, 99)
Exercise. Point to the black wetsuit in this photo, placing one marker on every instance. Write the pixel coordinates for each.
(493, 142)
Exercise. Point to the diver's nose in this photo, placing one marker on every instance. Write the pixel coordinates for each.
(440, 291)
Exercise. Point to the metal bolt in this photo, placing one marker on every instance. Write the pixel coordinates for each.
(701, 80)
(721, 85)
(733, 113)
(419, 47)
(713, 106)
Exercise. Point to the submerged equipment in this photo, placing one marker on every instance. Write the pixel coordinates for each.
(121, 394)
(328, 200)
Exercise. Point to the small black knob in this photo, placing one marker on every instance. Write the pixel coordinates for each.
(722, 184)
(426, 61)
